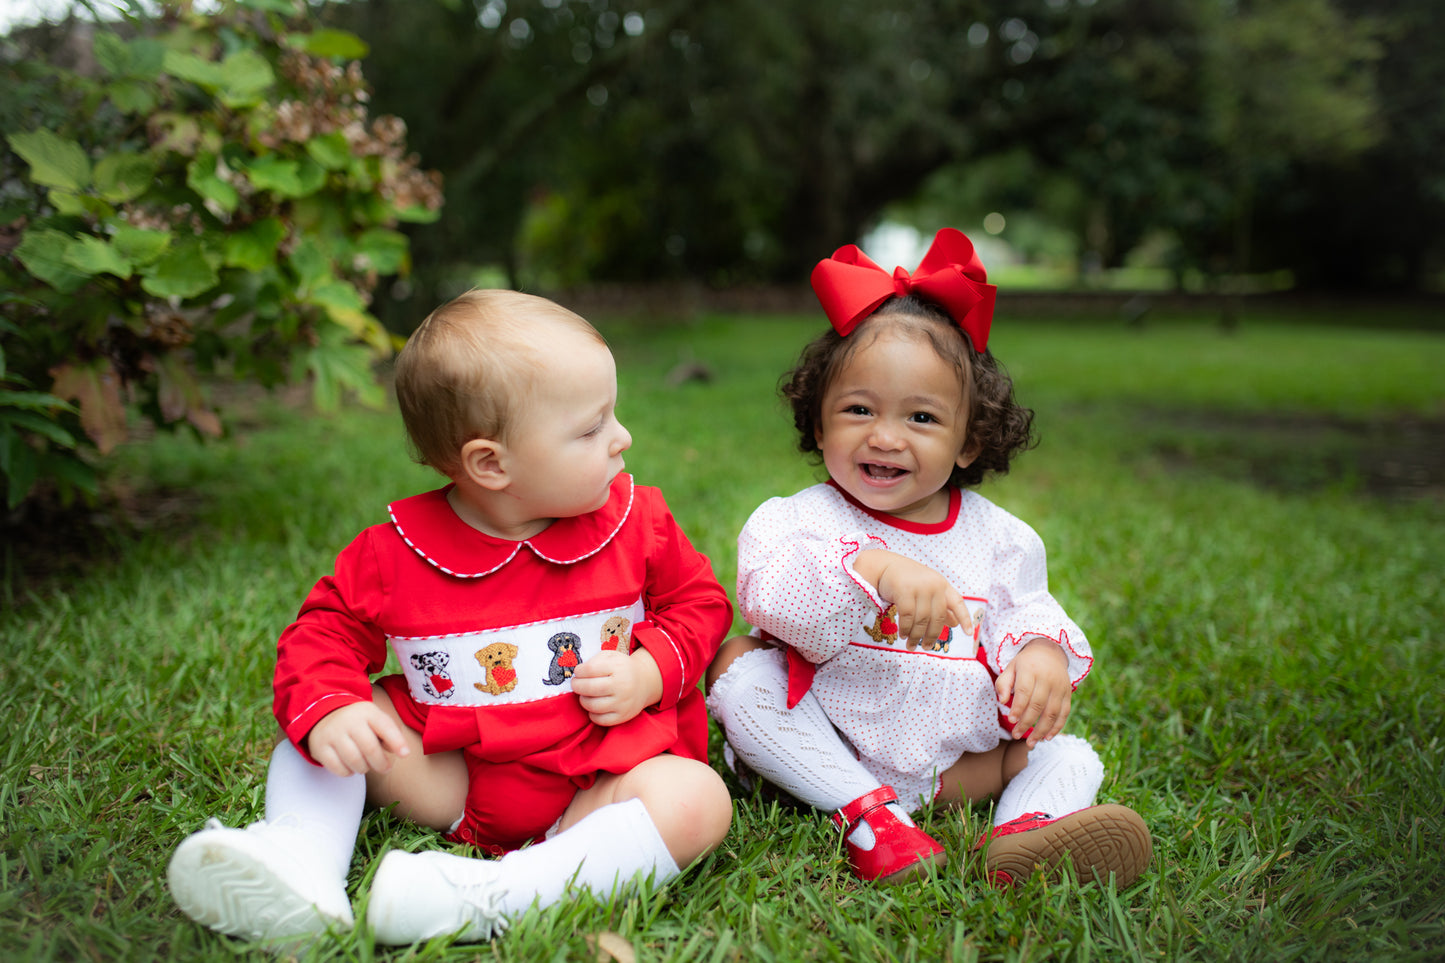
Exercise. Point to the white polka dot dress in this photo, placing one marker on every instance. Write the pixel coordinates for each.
(909, 713)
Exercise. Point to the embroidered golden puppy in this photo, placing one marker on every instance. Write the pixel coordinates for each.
(615, 635)
(497, 660)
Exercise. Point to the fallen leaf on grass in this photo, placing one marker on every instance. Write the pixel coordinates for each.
(611, 946)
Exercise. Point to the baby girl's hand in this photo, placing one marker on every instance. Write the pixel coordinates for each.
(613, 687)
(1037, 682)
(356, 738)
(927, 603)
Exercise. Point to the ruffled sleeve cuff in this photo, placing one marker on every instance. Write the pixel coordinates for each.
(1080, 662)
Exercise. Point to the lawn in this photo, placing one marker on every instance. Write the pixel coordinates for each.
(1250, 527)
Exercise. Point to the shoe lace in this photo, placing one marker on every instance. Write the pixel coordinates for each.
(482, 903)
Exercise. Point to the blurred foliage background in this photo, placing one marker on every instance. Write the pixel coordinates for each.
(1221, 146)
(641, 140)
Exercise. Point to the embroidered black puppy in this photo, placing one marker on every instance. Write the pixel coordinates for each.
(436, 681)
(566, 656)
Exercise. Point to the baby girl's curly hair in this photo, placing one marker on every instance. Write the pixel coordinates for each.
(998, 427)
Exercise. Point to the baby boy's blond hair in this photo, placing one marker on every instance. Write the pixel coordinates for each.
(468, 369)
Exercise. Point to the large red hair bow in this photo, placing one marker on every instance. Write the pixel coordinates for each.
(851, 286)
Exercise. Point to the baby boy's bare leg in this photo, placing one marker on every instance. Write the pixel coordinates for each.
(429, 790)
(686, 800)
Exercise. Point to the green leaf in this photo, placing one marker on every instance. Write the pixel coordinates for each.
(254, 248)
(112, 53)
(338, 295)
(245, 76)
(202, 178)
(124, 177)
(36, 424)
(182, 272)
(92, 255)
(80, 205)
(43, 254)
(310, 263)
(133, 96)
(197, 70)
(140, 59)
(335, 43)
(54, 161)
(286, 8)
(32, 400)
(335, 366)
(331, 151)
(147, 58)
(272, 173)
(385, 250)
(21, 464)
(139, 245)
(418, 214)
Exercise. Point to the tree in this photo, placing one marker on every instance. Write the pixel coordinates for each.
(206, 196)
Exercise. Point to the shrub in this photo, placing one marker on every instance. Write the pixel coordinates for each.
(201, 197)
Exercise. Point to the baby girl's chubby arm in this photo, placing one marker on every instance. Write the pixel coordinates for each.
(927, 602)
(614, 688)
(1036, 687)
(357, 738)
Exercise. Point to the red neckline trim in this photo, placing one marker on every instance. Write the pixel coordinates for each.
(955, 499)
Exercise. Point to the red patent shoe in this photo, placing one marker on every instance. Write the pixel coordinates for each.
(1100, 840)
(899, 852)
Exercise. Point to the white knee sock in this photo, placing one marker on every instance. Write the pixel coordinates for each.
(323, 809)
(1061, 776)
(603, 850)
(795, 749)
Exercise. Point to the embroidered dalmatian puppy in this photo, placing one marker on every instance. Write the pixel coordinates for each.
(436, 681)
(615, 635)
(566, 656)
(497, 660)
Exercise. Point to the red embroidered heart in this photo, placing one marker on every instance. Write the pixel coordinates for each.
(567, 658)
(504, 677)
(888, 626)
(610, 645)
(441, 683)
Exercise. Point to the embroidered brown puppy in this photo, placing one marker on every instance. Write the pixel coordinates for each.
(497, 660)
(885, 627)
(615, 635)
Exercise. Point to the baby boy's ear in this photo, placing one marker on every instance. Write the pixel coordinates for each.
(481, 463)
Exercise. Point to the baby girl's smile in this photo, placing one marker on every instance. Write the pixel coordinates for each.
(893, 426)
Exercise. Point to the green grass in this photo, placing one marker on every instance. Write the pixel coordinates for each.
(1267, 691)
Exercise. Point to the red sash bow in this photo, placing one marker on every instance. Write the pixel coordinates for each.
(850, 286)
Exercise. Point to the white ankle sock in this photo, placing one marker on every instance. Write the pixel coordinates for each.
(1061, 776)
(604, 849)
(795, 749)
(322, 809)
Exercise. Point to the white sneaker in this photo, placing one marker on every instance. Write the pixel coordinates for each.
(256, 883)
(416, 896)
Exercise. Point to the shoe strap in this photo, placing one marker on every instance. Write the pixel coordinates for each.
(862, 806)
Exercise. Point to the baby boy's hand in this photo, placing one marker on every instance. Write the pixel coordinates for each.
(613, 687)
(1037, 688)
(356, 738)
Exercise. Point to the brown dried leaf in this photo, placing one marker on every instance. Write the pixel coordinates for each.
(611, 946)
(95, 387)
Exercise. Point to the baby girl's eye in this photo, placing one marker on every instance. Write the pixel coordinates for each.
(923, 418)
(856, 410)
